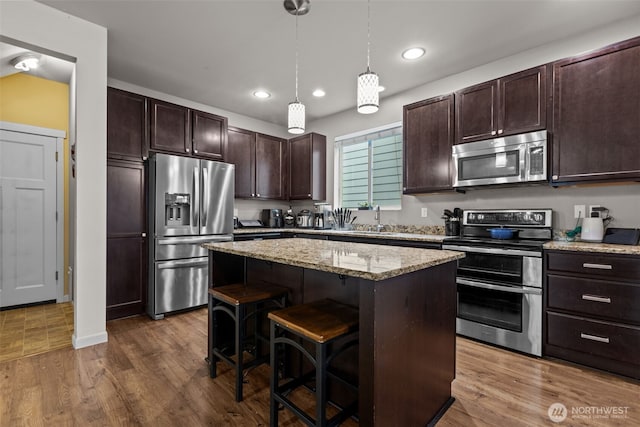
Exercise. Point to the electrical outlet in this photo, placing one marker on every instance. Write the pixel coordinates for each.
(579, 211)
(235, 212)
(423, 212)
(590, 211)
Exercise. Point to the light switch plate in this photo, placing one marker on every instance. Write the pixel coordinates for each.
(423, 212)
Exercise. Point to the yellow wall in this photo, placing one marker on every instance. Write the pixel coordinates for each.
(39, 102)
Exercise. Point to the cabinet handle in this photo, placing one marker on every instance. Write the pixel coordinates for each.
(493, 132)
(253, 195)
(195, 151)
(500, 131)
(594, 338)
(554, 177)
(144, 234)
(596, 298)
(598, 266)
(309, 195)
(186, 149)
(257, 195)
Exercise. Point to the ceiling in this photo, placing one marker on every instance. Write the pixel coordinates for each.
(218, 52)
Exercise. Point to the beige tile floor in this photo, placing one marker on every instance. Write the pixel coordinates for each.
(33, 330)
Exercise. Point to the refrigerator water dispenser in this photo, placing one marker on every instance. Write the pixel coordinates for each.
(177, 209)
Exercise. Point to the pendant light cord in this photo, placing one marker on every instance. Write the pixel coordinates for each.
(368, 32)
(297, 12)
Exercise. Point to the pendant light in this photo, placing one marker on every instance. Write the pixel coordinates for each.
(368, 81)
(296, 116)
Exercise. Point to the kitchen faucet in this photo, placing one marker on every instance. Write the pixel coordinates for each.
(379, 227)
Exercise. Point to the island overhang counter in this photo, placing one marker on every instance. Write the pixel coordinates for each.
(407, 304)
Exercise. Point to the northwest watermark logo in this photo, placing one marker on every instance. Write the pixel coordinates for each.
(558, 412)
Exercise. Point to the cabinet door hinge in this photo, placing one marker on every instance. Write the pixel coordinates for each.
(56, 275)
(56, 216)
(56, 156)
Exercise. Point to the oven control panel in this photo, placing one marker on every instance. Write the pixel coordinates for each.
(511, 218)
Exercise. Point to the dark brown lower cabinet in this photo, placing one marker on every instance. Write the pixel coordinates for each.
(126, 276)
(126, 239)
(591, 312)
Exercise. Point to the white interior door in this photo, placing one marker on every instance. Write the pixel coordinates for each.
(27, 218)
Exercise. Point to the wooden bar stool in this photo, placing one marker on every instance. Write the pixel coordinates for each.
(321, 323)
(242, 302)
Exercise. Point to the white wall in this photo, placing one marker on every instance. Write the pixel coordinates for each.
(47, 28)
(623, 201)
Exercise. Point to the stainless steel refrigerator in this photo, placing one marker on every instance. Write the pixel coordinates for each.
(191, 202)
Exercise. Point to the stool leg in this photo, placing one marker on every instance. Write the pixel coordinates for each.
(321, 385)
(240, 310)
(273, 356)
(214, 340)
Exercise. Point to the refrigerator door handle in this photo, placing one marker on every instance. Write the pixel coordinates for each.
(195, 207)
(205, 196)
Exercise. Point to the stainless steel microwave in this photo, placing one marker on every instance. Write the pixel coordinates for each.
(510, 159)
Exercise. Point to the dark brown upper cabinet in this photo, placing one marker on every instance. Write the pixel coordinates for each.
(260, 162)
(596, 115)
(427, 141)
(506, 106)
(127, 125)
(180, 130)
(241, 151)
(170, 127)
(271, 161)
(209, 135)
(307, 167)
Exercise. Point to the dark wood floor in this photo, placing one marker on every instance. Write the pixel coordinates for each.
(153, 373)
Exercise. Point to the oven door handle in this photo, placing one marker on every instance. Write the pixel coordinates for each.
(492, 251)
(510, 289)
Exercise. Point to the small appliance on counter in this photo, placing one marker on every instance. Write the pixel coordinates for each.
(304, 219)
(593, 227)
(289, 218)
(322, 216)
(272, 218)
(452, 221)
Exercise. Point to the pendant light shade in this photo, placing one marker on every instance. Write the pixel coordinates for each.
(296, 117)
(368, 82)
(368, 98)
(296, 110)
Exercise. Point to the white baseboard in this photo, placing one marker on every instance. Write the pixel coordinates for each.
(81, 342)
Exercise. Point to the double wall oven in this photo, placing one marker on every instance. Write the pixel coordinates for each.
(499, 281)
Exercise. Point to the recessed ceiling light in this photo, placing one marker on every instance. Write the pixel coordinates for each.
(319, 93)
(261, 94)
(413, 53)
(381, 88)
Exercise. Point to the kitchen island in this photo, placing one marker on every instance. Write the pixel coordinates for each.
(407, 304)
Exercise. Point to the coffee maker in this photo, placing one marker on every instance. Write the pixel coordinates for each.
(322, 218)
(272, 218)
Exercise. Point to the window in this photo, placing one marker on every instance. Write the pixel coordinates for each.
(369, 167)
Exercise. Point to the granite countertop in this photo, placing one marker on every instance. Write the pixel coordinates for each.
(593, 247)
(416, 237)
(366, 261)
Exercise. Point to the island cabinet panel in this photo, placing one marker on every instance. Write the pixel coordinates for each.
(596, 114)
(307, 167)
(127, 125)
(170, 127)
(427, 141)
(510, 105)
(407, 329)
(126, 238)
(591, 307)
(209, 135)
